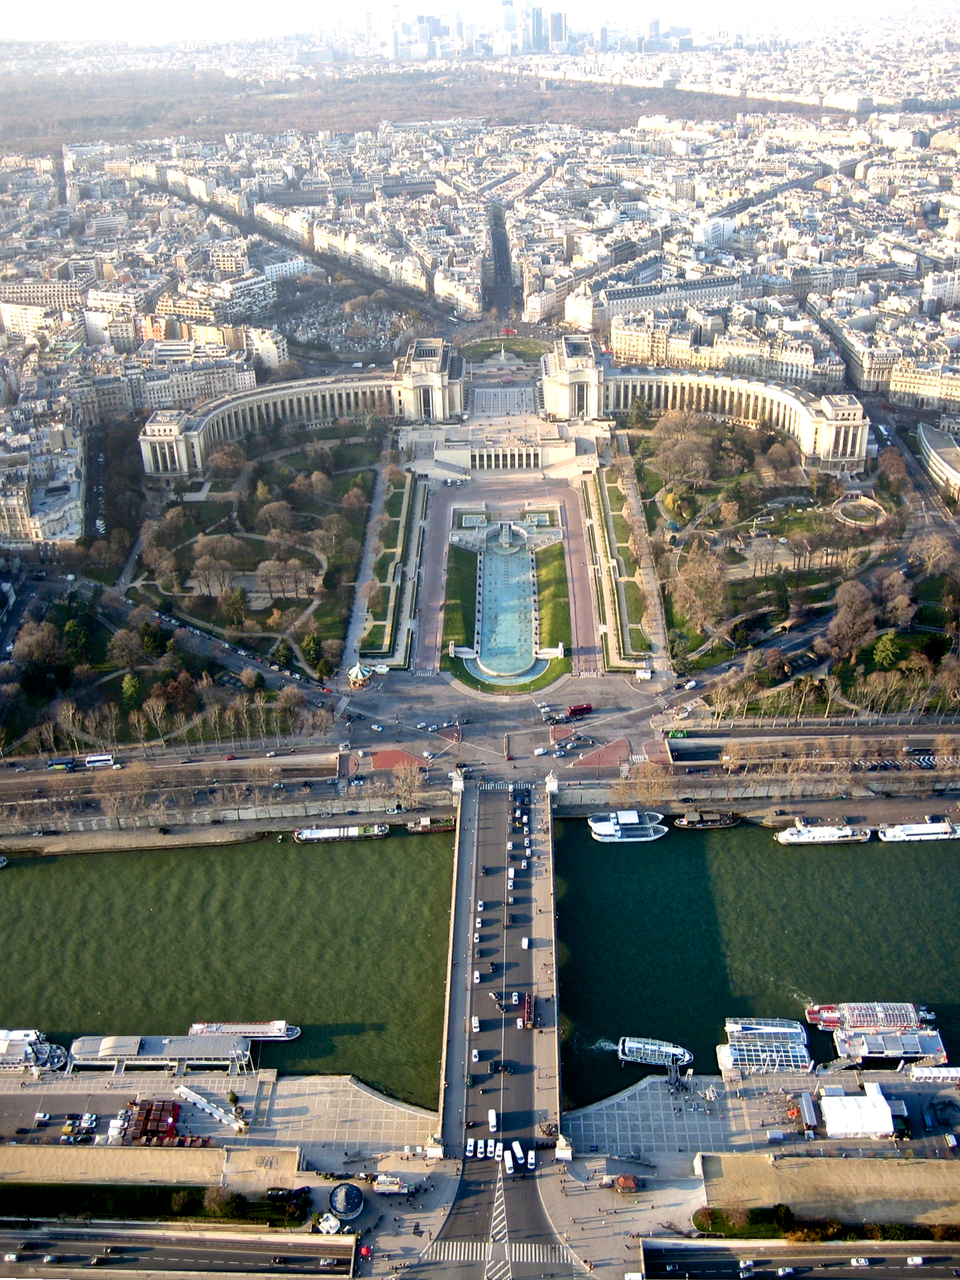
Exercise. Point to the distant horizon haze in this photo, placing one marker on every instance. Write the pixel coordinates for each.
(180, 23)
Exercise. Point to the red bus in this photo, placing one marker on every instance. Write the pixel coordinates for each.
(581, 709)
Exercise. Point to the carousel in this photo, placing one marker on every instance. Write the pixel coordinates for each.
(359, 676)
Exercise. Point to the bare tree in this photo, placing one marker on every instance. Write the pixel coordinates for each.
(138, 723)
(111, 718)
(407, 784)
(156, 709)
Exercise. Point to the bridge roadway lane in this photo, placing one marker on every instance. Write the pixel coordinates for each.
(497, 1226)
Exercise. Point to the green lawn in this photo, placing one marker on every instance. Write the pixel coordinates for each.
(554, 594)
(635, 603)
(381, 570)
(556, 668)
(621, 530)
(461, 597)
(373, 638)
(525, 348)
(394, 504)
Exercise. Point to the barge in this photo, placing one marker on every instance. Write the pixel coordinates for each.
(366, 831)
(706, 820)
(249, 1030)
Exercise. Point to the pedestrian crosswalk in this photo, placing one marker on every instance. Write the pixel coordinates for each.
(483, 1251)
(425, 673)
(521, 1251)
(458, 1251)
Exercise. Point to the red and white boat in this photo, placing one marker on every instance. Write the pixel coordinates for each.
(880, 1015)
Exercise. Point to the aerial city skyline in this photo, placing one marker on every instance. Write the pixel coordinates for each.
(182, 23)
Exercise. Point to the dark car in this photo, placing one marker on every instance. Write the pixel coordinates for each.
(277, 1193)
(278, 1261)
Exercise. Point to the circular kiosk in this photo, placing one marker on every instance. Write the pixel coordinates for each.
(346, 1201)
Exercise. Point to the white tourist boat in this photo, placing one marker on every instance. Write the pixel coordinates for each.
(626, 826)
(930, 829)
(654, 1053)
(803, 832)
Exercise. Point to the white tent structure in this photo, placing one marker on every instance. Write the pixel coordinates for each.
(865, 1115)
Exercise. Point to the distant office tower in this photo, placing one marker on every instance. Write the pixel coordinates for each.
(509, 18)
(395, 45)
(536, 28)
(558, 29)
(600, 40)
(653, 30)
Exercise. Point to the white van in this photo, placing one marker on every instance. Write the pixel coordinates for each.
(508, 1163)
(511, 872)
(540, 751)
(517, 1150)
(492, 1120)
(475, 1024)
(525, 943)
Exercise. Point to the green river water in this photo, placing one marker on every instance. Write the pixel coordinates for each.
(349, 942)
(346, 940)
(668, 939)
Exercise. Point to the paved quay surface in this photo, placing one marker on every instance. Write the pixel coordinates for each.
(329, 1117)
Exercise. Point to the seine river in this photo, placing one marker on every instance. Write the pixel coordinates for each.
(349, 941)
(346, 940)
(668, 939)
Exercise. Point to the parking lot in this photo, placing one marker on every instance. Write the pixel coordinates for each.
(37, 1116)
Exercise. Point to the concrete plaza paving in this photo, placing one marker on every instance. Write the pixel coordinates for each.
(330, 1118)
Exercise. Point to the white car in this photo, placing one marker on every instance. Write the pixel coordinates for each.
(540, 751)
(490, 1145)
(476, 975)
(690, 684)
(427, 755)
(422, 724)
(515, 998)
(474, 1055)
(784, 1271)
(479, 904)
(859, 1262)
(476, 938)
(531, 1159)
(480, 1150)
(498, 1151)
(478, 923)
(377, 728)
(470, 1146)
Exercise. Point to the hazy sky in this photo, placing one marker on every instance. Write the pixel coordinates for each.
(183, 20)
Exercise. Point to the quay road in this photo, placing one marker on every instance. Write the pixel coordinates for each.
(497, 1226)
(715, 1261)
(72, 1248)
